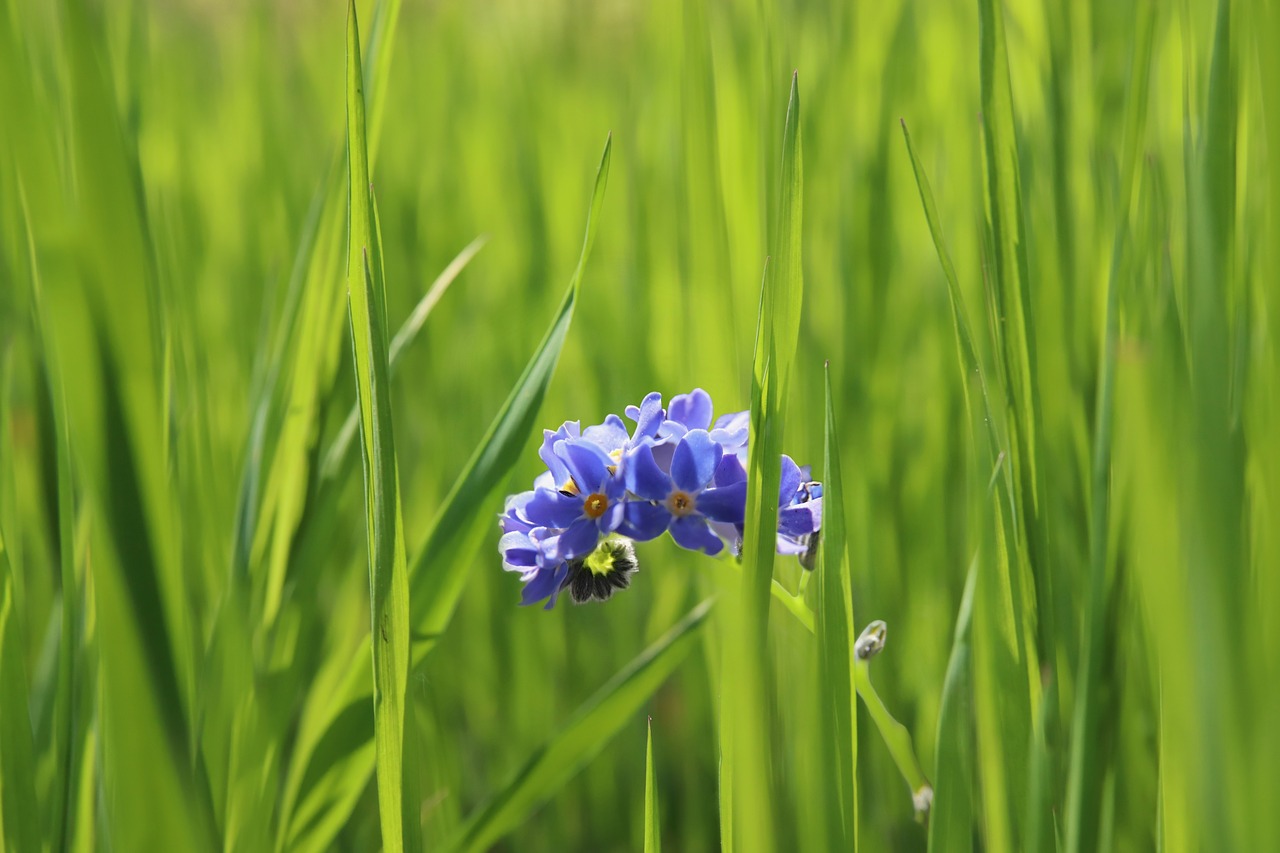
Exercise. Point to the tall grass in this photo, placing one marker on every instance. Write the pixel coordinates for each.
(251, 456)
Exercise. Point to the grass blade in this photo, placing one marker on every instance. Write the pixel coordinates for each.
(777, 334)
(835, 649)
(951, 820)
(572, 748)
(388, 581)
(440, 569)
(19, 815)
(407, 334)
(652, 821)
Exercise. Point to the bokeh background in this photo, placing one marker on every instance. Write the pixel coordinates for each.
(169, 173)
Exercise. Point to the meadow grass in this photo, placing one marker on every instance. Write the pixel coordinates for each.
(1007, 272)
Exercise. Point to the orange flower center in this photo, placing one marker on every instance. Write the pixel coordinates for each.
(680, 503)
(595, 505)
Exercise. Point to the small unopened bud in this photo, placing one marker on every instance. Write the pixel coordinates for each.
(923, 801)
(871, 641)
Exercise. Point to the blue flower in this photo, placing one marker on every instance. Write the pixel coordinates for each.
(588, 504)
(799, 510)
(522, 551)
(686, 499)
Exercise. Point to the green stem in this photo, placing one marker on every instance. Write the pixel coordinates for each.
(896, 736)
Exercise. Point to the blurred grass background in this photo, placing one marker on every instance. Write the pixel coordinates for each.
(172, 228)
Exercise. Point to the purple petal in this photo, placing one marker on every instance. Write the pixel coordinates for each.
(730, 470)
(612, 517)
(518, 552)
(692, 409)
(692, 532)
(552, 509)
(695, 461)
(546, 582)
(648, 417)
(588, 464)
(791, 480)
(577, 541)
(643, 521)
(643, 476)
(796, 520)
(610, 435)
(727, 504)
(569, 429)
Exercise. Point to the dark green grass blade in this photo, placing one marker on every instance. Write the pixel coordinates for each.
(440, 569)
(777, 334)
(951, 823)
(572, 748)
(19, 814)
(836, 635)
(652, 819)
(388, 582)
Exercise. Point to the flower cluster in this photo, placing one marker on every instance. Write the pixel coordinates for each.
(677, 470)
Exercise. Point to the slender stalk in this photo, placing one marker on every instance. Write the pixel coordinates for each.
(896, 736)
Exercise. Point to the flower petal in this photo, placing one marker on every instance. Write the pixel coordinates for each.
(692, 532)
(727, 503)
(577, 541)
(695, 461)
(648, 416)
(643, 476)
(552, 509)
(546, 582)
(610, 435)
(791, 479)
(797, 520)
(692, 409)
(568, 429)
(587, 462)
(730, 470)
(612, 517)
(643, 521)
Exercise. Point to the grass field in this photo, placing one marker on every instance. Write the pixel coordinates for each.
(1020, 313)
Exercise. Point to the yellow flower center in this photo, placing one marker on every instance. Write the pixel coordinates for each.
(595, 505)
(680, 503)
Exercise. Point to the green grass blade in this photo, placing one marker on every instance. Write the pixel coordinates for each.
(407, 334)
(388, 581)
(836, 637)
(19, 814)
(951, 821)
(592, 726)
(777, 335)
(1090, 760)
(334, 778)
(652, 820)
(440, 569)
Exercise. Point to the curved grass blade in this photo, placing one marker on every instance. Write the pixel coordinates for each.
(835, 650)
(652, 821)
(389, 588)
(440, 569)
(574, 746)
(407, 334)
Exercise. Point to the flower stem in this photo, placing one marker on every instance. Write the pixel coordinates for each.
(896, 736)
